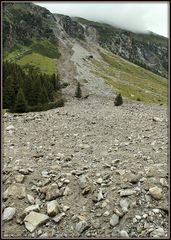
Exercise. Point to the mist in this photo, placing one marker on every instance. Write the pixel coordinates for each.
(136, 17)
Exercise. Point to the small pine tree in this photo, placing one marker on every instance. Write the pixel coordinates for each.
(21, 103)
(78, 92)
(118, 100)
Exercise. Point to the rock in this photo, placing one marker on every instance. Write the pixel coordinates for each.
(66, 208)
(100, 195)
(59, 217)
(81, 226)
(105, 214)
(34, 219)
(124, 205)
(84, 146)
(31, 199)
(16, 190)
(134, 178)
(19, 178)
(114, 220)
(10, 127)
(138, 217)
(52, 208)
(32, 208)
(51, 191)
(86, 190)
(82, 181)
(126, 192)
(24, 171)
(99, 180)
(124, 233)
(156, 119)
(163, 182)
(159, 232)
(8, 213)
(118, 212)
(156, 192)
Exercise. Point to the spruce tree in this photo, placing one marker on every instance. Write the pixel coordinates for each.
(118, 100)
(78, 92)
(21, 103)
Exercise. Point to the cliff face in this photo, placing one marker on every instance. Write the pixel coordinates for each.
(23, 23)
(147, 50)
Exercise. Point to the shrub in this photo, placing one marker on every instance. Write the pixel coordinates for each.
(118, 100)
(138, 99)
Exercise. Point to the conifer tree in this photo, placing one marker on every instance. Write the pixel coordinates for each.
(78, 92)
(8, 93)
(118, 100)
(21, 103)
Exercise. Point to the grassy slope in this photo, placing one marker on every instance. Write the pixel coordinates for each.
(130, 80)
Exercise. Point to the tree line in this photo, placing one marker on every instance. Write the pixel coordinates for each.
(25, 89)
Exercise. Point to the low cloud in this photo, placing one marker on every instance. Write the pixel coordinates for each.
(137, 17)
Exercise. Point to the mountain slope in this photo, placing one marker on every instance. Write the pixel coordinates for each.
(53, 40)
(28, 30)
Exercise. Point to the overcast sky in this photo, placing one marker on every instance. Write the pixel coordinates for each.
(139, 16)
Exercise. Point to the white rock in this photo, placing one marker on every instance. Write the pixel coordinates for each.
(100, 196)
(34, 219)
(59, 217)
(10, 127)
(32, 208)
(8, 213)
(66, 208)
(114, 220)
(124, 205)
(124, 233)
(159, 232)
(31, 199)
(126, 192)
(52, 208)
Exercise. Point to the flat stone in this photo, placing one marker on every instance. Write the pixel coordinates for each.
(34, 219)
(16, 190)
(156, 193)
(32, 208)
(52, 208)
(8, 213)
(114, 220)
(59, 217)
(126, 192)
